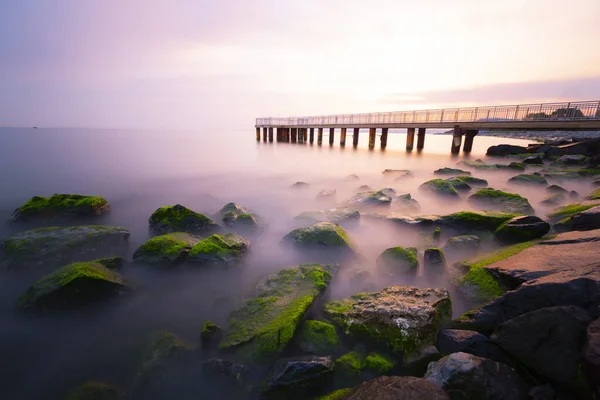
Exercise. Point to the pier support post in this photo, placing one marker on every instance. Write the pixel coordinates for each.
(294, 135)
(410, 139)
(421, 139)
(372, 133)
(384, 137)
(271, 135)
(300, 135)
(343, 137)
(258, 134)
(469, 136)
(304, 135)
(355, 137)
(331, 135)
(265, 131)
(312, 135)
(456, 139)
(320, 136)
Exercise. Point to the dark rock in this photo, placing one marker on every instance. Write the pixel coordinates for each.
(97, 391)
(554, 200)
(295, 377)
(498, 200)
(299, 185)
(575, 159)
(522, 229)
(178, 218)
(465, 376)
(556, 189)
(534, 160)
(456, 341)
(573, 195)
(472, 181)
(528, 179)
(544, 392)
(584, 147)
(459, 184)
(397, 387)
(505, 149)
(211, 334)
(217, 368)
(513, 166)
(417, 362)
(591, 354)
(586, 220)
(466, 245)
(451, 171)
(60, 207)
(326, 194)
(547, 340)
(434, 258)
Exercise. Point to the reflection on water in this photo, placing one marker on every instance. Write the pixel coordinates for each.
(42, 357)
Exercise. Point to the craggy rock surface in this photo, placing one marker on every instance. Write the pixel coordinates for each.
(178, 218)
(319, 236)
(582, 221)
(497, 200)
(522, 229)
(226, 249)
(366, 199)
(60, 207)
(456, 341)
(236, 216)
(340, 215)
(396, 388)
(165, 250)
(292, 378)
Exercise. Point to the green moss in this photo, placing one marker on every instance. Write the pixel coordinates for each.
(317, 337)
(483, 220)
(595, 195)
(498, 199)
(217, 248)
(399, 255)
(96, 391)
(472, 181)
(178, 218)
(379, 363)
(440, 187)
(209, 329)
(350, 364)
(528, 179)
(451, 171)
(568, 211)
(322, 234)
(336, 395)
(60, 205)
(169, 248)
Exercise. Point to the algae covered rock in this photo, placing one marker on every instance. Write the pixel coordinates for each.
(434, 257)
(528, 179)
(59, 246)
(211, 334)
(522, 229)
(396, 387)
(326, 235)
(459, 184)
(451, 171)
(295, 378)
(236, 216)
(336, 394)
(370, 199)
(60, 207)
(407, 204)
(219, 249)
(326, 194)
(355, 365)
(556, 189)
(339, 215)
(440, 187)
(261, 329)
(165, 250)
(554, 199)
(466, 245)
(497, 200)
(178, 218)
(475, 220)
(398, 260)
(402, 318)
(97, 391)
(76, 285)
(472, 181)
(318, 337)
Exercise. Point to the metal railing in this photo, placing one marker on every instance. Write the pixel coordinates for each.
(572, 111)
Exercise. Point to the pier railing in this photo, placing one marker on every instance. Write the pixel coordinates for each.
(572, 111)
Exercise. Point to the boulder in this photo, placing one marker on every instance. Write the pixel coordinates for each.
(574, 195)
(573, 159)
(396, 387)
(370, 199)
(261, 329)
(497, 200)
(554, 200)
(522, 229)
(236, 216)
(352, 177)
(335, 395)
(402, 318)
(97, 391)
(211, 334)
(60, 207)
(451, 171)
(165, 250)
(326, 194)
(591, 355)
(556, 189)
(582, 221)
(356, 366)
(398, 261)
(548, 341)
(389, 191)
(584, 147)
(364, 188)
(528, 179)
(434, 258)
(457, 341)
(341, 215)
(317, 337)
(472, 181)
(416, 363)
(300, 185)
(505, 149)
(76, 285)
(513, 166)
(595, 195)
(459, 184)
(407, 204)
(533, 160)
(322, 235)
(397, 172)
(52, 247)
(224, 372)
(216, 249)
(466, 245)
(440, 187)
(469, 221)
(178, 218)
(465, 376)
(294, 378)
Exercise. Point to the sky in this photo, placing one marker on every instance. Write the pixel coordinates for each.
(223, 63)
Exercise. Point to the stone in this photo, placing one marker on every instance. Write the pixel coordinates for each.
(370, 199)
(451, 171)
(97, 391)
(294, 378)
(407, 204)
(513, 166)
(528, 179)
(262, 327)
(595, 195)
(389, 191)
(472, 181)
(397, 387)
(582, 221)
(47, 248)
(317, 337)
(574, 195)
(584, 147)
(178, 218)
(533, 160)
(554, 200)
(61, 207)
(402, 318)
(469, 221)
(556, 189)
(505, 149)
(398, 260)
(417, 362)
(340, 215)
(440, 187)
(364, 188)
(543, 392)
(457, 341)
(322, 235)
(465, 376)
(356, 366)
(434, 258)
(459, 184)
(326, 194)
(497, 200)
(573, 159)
(352, 177)
(466, 245)
(335, 395)
(299, 185)
(227, 249)
(236, 216)
(211, 334)
(397, 172)
(224, 371)
(165, 250)
(591, 351)
(522, 229)
(548, 341)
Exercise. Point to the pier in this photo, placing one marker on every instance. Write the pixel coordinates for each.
(465, 123)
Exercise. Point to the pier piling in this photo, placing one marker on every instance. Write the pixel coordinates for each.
(410, 139)
(265, 132)
(312, 135)
(343, 137)
(294, 135)
(469, 136)
(456, 140)
(372, 133)
(258, 134)
(421, 139)
(355, 137)
(384, 137)
(270, 135)
(331, 135)
(320, 136)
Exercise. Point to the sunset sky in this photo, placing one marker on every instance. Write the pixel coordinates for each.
(190, 63)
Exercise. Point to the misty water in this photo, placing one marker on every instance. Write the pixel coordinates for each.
(44, 356)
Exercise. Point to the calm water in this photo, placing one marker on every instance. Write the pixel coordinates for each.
(138, 171)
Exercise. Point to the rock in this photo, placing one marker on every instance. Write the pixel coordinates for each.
(388, 191)
(294, 378)
(434, 258)
(322, 235)
(459, 184)
(477, 164)
(522, 229)
(451, 171)
(398, 261)
(544, 392)
(236, 216)
(595, 195)
(355, 366)
(402, 318)
(514, 166)
(528, 179)
(364, 188)
(224, 371)
(505, 149)
(533, 160)
(591, 355)
(575, 159)
(299, 185)
(554, 200)
(582, 221)
(498, 200)
(58, 246)
(584, 147)
(397, 172)
(60, 207)
(165, 250)
(470, 221)
(76, 285)
(227, 249)
(211, 334)
(548, 341)
(335, 395)
(352, 177)
(436, 235)
(317, 337)
(472, 181)
(556, 189)
(261, 329)
(596, 183)
(341, 215)
(326, 194)
(417, 362)
(466, 245)
(457, 341)
(370, 199)
(178, 218)
(397, 387)
(97, 391)
(573, 195)
(465, 376)
(440, 187)
(407, 203)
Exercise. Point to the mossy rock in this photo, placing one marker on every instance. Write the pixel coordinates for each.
(58, 246)
(97, 391)
(355, 365)
(402, 318)
(371, 199)
(459, 184)
(522, 229)
(463, 244)
(554, 200)
(440, 187)
(178, 218)
(407, 204)
(336, 394)
(76, 285)
(528, 179)
(472, 181)
(341, 215)
(236, 216)
(226, 249)
(478, 164)
(211, 334)
(398, 260)
(60, 206)
(322, 235)
(595, 195)
(451, 171)
(262, 328)
(434, 257)
(515, 166)
(350, 365)
(166, 250)
(318, 337)
(498, 200)
(556, 189)
(569, 210)
(476, 220)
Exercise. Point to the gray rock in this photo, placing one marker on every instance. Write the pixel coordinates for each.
(456, 341)
(505, 149)
(440, 187)
(236, 216)
(556, 189)
(575, 159)
(533, 160)
(341, 215)
(366, 199)
(522, 229)
(299, 185)
(528, 179)
(407, 203)
(396, 387)
(586, 220)
(326, 194)
(417, 362)
(434, 258)
(295, 377)
(459, 184)
(554, 200)
(466, 245)
(451, 171)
